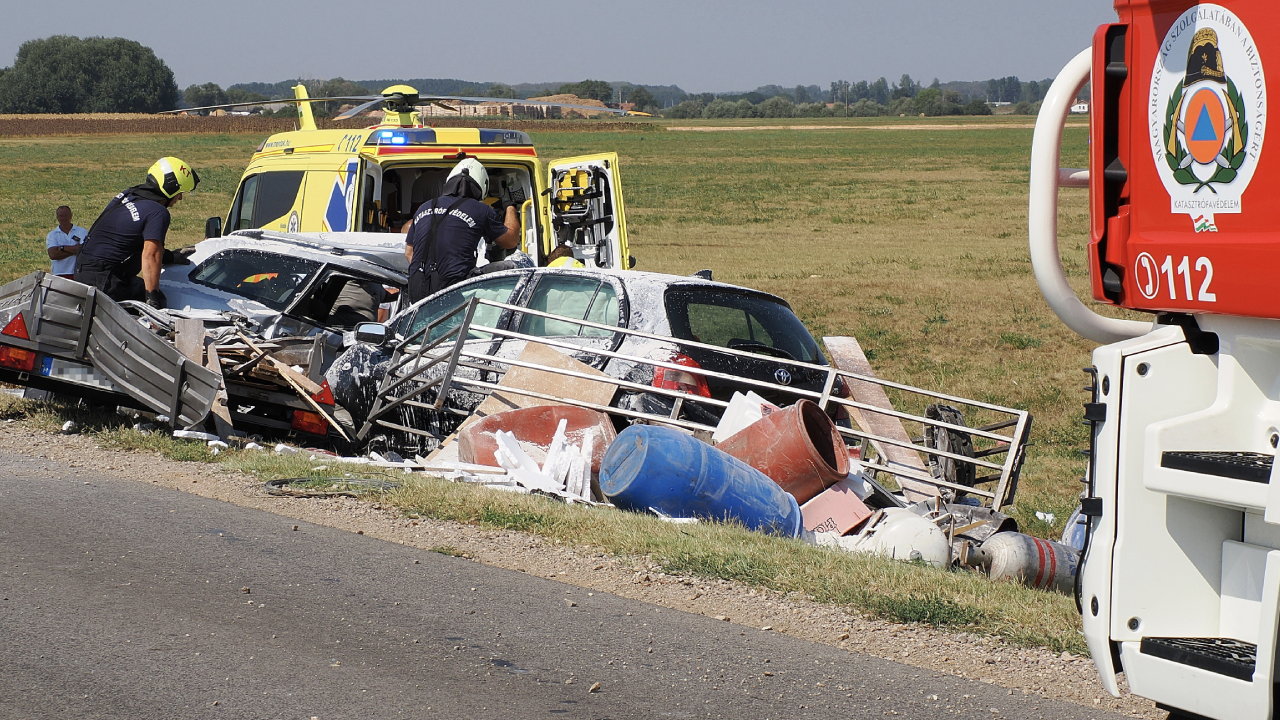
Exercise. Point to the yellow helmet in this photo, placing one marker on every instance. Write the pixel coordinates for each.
(568, 261)
(173, 176)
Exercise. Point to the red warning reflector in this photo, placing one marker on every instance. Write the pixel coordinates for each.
(17, 327)
(325, 396)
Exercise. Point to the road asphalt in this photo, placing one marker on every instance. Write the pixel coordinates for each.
(123, 600)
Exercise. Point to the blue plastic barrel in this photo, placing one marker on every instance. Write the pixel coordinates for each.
(650, 466)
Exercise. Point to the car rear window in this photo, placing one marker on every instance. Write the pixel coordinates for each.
(270, 278)
(740, 321)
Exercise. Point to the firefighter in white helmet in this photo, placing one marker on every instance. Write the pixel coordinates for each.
(444, 240)
(128, 237)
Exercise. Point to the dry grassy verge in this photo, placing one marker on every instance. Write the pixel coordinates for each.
(693, 583)
(900, 592)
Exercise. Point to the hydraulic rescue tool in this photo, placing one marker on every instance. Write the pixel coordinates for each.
(1180, 582)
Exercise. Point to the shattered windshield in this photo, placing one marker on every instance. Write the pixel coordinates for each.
(269, 278)
(739, 321)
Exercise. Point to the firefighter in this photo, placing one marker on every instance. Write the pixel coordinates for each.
(128, 237)
(444, 238)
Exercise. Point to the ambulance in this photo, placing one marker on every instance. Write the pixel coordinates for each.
(373, 180)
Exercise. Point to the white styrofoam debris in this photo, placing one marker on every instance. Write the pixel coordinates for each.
(319, 468)
(282, 449)
(254, 446)
(69, 427)
(195, 435)
(218, 445)
(673, 520)
(743, 411)
(1047, 517)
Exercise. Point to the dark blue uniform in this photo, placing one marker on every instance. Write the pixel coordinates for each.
(112, 254)
(463, 222)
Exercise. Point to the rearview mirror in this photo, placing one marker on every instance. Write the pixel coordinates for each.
(372, 333)
(213, 227)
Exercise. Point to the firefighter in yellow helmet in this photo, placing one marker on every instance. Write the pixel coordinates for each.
(128, 237)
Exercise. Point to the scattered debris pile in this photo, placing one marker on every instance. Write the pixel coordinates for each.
(916, 486)
(841, 468)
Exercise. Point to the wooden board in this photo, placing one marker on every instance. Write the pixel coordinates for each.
(847, 355)
(221, 413)
(548, 383)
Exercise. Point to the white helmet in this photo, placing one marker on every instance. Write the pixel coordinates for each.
(473, 169)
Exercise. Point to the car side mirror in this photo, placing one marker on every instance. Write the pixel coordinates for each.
(371, 333)
(213, 227)
(631, 261)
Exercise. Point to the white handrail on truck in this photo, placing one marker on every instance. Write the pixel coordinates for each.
(1042, 213)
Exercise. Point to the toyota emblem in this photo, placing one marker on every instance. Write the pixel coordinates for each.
(782, 376)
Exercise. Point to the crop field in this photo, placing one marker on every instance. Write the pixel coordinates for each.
(909, 234)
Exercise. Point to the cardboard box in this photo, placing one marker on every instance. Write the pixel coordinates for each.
(836, 509)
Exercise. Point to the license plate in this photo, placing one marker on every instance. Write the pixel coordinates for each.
(75, 373)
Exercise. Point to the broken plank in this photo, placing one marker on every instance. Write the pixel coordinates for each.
(847, 355)
(221, 413)
(190, 338)
(300, 384)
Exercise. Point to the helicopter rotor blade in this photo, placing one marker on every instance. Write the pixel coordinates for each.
(258, 103)
(514, 101)
(361, 108)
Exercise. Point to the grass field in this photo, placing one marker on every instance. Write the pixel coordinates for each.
(907, 233)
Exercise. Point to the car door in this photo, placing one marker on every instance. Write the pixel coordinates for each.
(333, 194)
(269, 199)
(586, 210)
(572, 295)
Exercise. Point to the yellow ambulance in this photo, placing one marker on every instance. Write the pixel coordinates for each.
(373, 180)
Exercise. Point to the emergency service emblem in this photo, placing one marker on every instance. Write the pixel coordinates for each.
(1207, 113)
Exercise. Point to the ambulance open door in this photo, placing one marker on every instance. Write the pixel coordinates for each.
(586, 213)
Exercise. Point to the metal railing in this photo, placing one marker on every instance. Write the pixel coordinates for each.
(416, 355)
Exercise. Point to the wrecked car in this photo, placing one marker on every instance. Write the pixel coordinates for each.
(270, 300)
(680, 308)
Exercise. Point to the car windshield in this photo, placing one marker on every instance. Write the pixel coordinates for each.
(740, 321)
(269, 278)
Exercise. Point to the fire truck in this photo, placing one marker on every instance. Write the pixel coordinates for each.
(1180, 581)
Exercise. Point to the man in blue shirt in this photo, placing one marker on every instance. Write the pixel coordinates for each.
(128, 237)
(444, 239)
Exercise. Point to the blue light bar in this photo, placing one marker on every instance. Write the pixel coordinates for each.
(406, 136)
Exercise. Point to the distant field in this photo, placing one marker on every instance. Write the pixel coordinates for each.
(913, 241)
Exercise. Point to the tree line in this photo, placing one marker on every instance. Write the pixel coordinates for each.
(66, 74)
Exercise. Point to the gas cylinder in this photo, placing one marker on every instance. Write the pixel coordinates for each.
(1032, 561)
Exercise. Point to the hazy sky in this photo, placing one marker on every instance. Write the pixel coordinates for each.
(700, 45)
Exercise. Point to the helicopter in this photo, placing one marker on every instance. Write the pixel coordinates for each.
(373, 179)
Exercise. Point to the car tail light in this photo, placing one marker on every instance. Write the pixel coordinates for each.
(687, 382)
(309, 422)
(325, 396)
(17, 327)
(17, 358)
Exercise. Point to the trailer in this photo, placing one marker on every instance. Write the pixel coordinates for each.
(65, 337)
